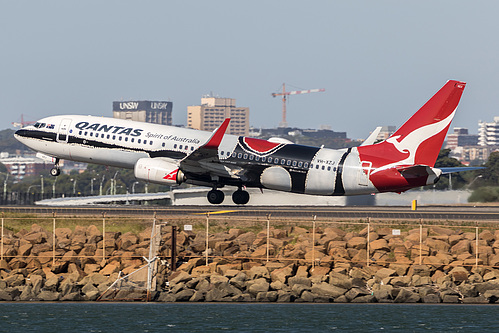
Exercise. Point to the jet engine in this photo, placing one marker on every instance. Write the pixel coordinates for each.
(158, 171)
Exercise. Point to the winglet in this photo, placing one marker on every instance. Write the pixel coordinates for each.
(372, 138)
(217, 136)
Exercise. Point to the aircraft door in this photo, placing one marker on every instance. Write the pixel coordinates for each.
(62, 134)
(364, 173)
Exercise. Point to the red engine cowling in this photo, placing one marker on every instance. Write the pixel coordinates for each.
(158, 171)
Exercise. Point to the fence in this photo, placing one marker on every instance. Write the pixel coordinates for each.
(214, 238)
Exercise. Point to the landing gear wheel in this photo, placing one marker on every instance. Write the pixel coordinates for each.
(215, 197)
(240, 197)
(55, 172)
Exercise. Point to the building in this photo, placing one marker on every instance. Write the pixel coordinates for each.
(385, 132)
(157, 112)
(488, 133)
(19, 167)
(212, 112)
(461, 138)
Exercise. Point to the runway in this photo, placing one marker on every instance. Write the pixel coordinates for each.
(450, 213)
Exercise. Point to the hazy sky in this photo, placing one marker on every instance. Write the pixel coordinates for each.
(379, 61)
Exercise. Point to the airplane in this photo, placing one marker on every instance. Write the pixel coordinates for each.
(171, 155)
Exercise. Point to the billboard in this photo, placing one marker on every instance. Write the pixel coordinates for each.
(143, 106)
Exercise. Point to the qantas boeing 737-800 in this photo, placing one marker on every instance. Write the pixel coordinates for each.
(171, 155)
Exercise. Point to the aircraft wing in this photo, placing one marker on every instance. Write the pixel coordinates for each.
(205, 159)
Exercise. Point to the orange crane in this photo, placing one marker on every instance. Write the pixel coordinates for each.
(23, 122)
(285, 93)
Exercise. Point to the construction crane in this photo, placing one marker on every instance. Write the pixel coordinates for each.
(22, 123)
(285, 93)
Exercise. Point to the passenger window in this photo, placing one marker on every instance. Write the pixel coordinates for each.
(91, 133)
(145, 142)
(239, 155)
(180, 147)
(306, 165)
(317, 166)
(283, 161)
(138, 140)
(108, 136)
(328, 168)
(323, 167)
(300, 164)
(102, 136)
(257, 158)
(126, 138)
(234, 154)
(163, 144)
(192, 149)
(150, 143)
(294, 163)
(251, 157)
(276, 160)
(133, 140)
(174, 146)
(186, 147)
(245, 156)
(86, 133)
(79, 133)
(288, 163)
(114, 137)
(334, 169)
(269, 159)
(119, 138)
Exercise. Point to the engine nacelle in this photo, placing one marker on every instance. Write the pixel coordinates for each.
(158, 171)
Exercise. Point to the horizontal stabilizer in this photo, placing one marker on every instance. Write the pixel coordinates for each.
(459, 169)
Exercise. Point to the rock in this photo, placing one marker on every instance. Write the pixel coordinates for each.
(269, 296)
(179, 276)
(459, 274)
(284, 297)
(356, 292)
(379, 245)
(198, 296)
(46, 295)
(384, 273)
(340, 280)
(257, 272)
(27, 294)
(281, 274)
(492, 295)
(450, 299)
(325, 289)
(299, 280)
(184, 295)
(383, 293)
(431, 298)
(357, 243)
(72, 297)
(258, 285)
(406, 295)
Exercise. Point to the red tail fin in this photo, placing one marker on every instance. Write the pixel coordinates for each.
(418, 140)
(431, 123)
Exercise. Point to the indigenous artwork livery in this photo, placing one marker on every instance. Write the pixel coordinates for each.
(170, 155)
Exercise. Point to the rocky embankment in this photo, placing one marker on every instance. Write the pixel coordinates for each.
(430, 265)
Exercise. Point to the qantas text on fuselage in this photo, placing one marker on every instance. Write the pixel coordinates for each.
(172, 155)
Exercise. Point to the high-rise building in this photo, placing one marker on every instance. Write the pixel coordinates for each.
(488, 133)
(157, 112)
(212, 112)
(461, 138)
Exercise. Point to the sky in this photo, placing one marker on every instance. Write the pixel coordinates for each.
(378, 60)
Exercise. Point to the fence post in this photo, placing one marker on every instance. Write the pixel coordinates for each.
(420, 239)
(174, 248)
(268, 236)
(313, 243)
(207, 244)
(53, 239)
(476, 249)
(1, 244)
(368, 240)
(104, 237)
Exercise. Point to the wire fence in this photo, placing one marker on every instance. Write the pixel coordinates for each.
(226, 239)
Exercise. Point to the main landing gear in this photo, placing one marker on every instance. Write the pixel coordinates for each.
(55, 171)
(239, 197)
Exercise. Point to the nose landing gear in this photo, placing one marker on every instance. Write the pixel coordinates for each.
(55, 171)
